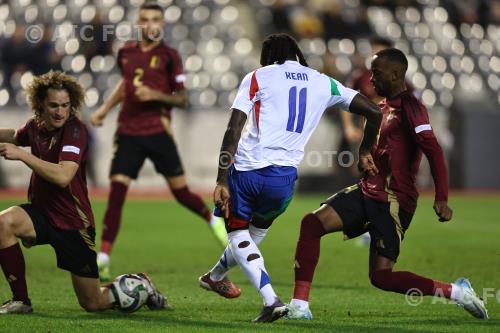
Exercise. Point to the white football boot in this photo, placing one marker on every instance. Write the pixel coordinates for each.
(11, 306)
(470, 301)
(296, 312)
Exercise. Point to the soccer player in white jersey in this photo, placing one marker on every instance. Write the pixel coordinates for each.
(257, 169)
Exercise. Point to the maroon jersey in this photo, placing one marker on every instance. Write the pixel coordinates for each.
(405, 133)
(159, 68)
(67, 208)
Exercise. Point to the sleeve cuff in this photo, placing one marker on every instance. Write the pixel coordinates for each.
(441, 197)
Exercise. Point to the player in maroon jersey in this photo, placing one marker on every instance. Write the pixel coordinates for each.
(58, 212)
(152, 84)
(360, 80)
(384, 202)
(352, 125)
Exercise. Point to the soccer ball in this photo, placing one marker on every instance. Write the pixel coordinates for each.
(129, 292)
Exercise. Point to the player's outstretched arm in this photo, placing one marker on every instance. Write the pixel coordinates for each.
(432, 150)
(97, 117)
(363, 106)
(179, 99)
(230, 143)
(226, 156)
(60, 174)
(8, 135)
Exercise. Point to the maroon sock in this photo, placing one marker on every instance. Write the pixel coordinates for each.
(14, 269)
(307, 255)
(402, 282)
(113, 216)
(193, 202)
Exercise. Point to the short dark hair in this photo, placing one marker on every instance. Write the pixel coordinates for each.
(381, 41)
(394, 55)
(277, 48)
(151, 5)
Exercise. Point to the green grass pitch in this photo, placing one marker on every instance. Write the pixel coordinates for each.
(175, 247)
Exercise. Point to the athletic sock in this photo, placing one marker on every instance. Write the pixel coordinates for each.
(193, 202)
(113, 216)
(227, 261)
(222, 267)
(307, 255)
(247, 255)
(403, 282)
(14, 269)
(257, 234)
(456, 293)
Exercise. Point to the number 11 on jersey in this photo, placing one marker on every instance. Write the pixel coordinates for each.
(292, 109)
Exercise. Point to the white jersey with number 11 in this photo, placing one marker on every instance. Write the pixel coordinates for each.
(284, 104)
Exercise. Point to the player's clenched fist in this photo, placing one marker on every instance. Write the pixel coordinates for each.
(443, 211)
(10, 151)
(366, 165)
(221, 199)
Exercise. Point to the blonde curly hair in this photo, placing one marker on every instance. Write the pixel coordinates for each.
(38, 89)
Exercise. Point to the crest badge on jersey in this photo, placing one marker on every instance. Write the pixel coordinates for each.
(154, 62)
(391, 115)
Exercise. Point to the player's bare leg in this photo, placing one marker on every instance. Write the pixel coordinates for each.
(15, 223)
(314, 225)
(192, 201)
(177, 182)
(383, 277)
(91, 296)
(112, 221)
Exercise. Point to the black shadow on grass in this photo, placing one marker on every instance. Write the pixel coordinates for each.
(361, 327)
(458, 322)
(314, 286)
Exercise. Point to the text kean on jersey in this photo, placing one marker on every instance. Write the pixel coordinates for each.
(296, 76)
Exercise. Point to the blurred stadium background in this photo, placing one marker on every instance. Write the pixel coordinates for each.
(453, 49)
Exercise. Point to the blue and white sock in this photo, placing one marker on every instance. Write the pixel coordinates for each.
(227, 261)
(247, 255)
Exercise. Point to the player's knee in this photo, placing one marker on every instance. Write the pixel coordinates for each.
(121, 178)
(381, 278)
(90, 306)
(7, 221)
(307, 220)
(311, 227)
